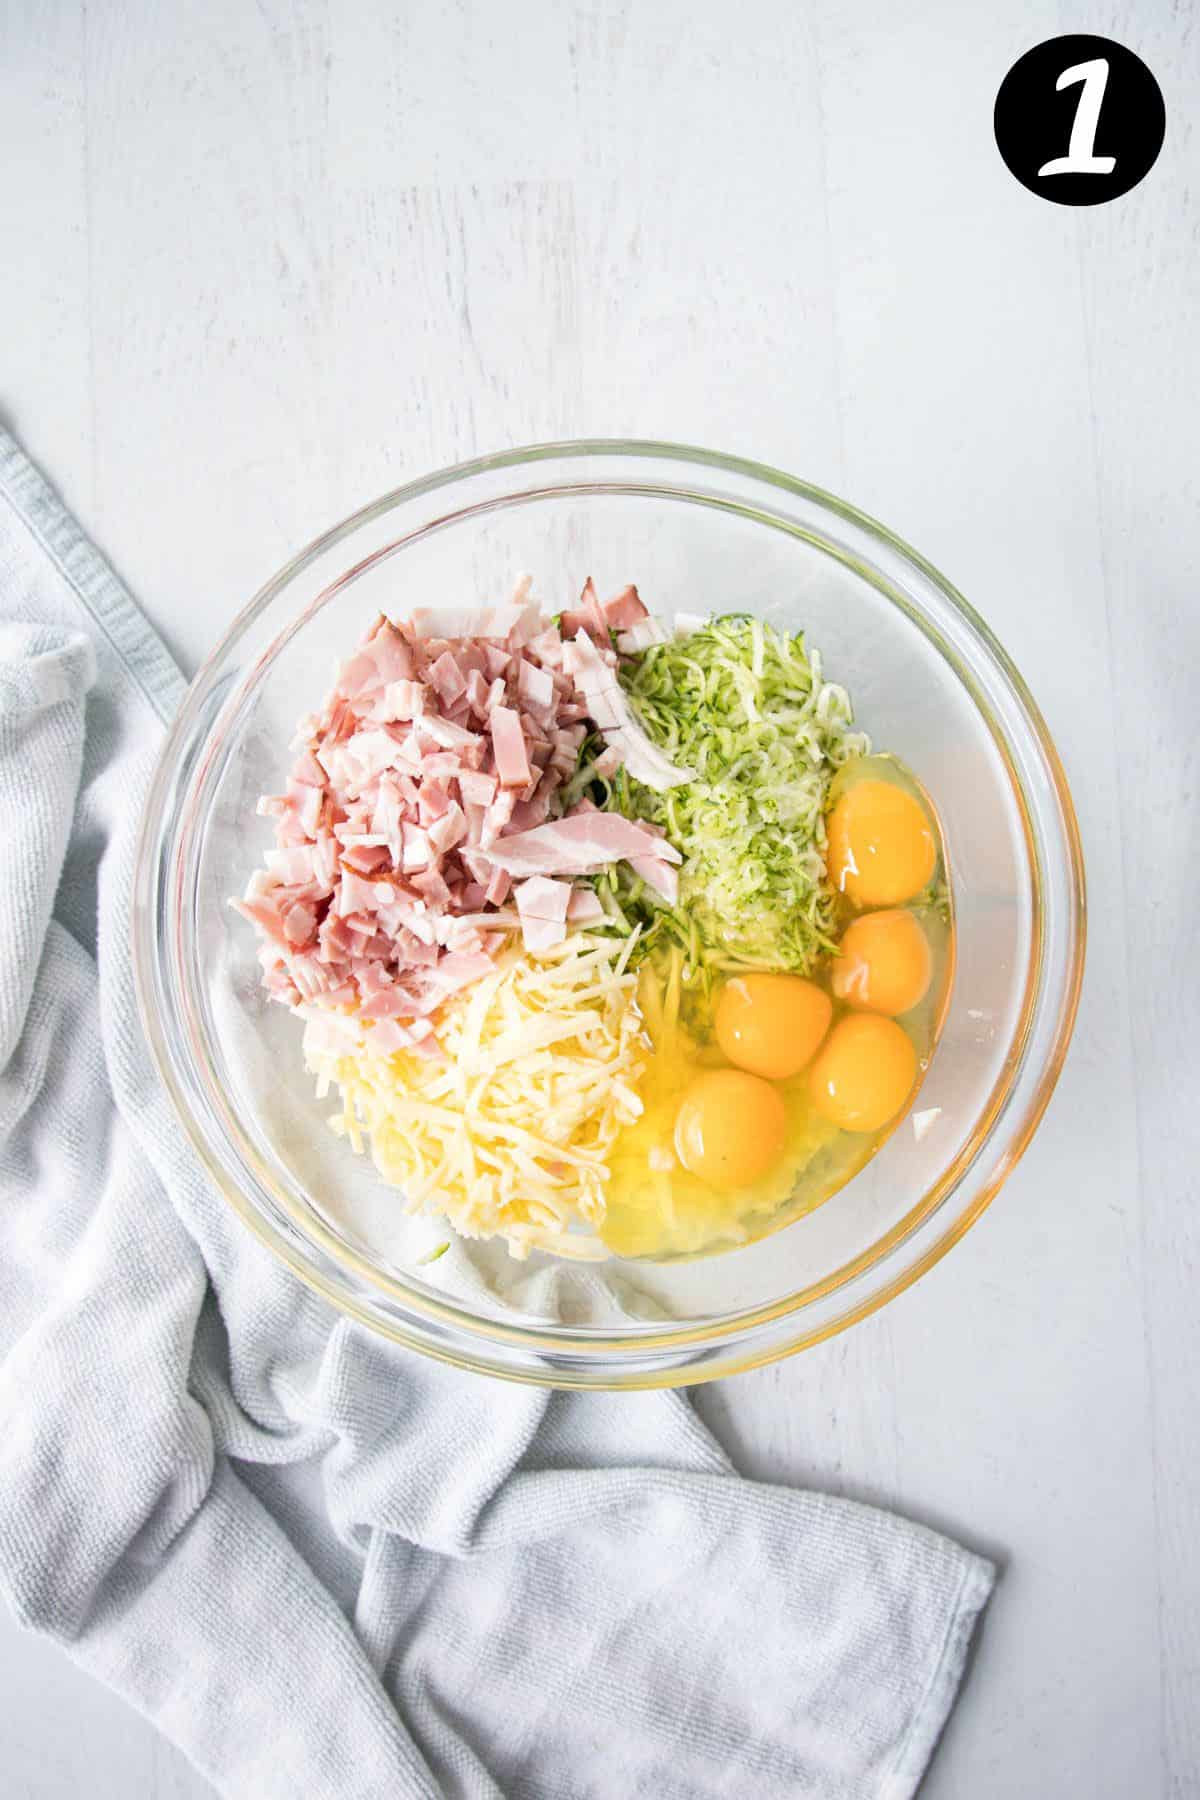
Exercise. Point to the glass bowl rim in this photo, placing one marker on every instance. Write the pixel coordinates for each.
(433, 1330)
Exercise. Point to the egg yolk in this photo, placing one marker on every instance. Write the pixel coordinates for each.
(881, 847)
(772, 1024)
(730, 1128)
(863, 1073)
(885, 964)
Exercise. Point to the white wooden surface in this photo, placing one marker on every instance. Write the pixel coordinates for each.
(261, 263)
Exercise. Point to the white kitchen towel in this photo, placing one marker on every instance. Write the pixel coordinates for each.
(328, 1568)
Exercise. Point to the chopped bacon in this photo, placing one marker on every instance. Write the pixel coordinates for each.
(302, 804)
(466, 621)
(659, 875)
(528, 813)
(611, 711)
(265, 915)
(498, 817)
(580, 845)
(308, 771)
(588, 616)
(400, 701)
(433, 885)
(293, 866)
(447, 678)
(508, 746)
(459, 968)
(542, 905)
(497, 890)
(476, 787)
(641, 636)
(535, 686)
(366, 859)
(584, 906)
(433, 775)
(449, 829)
(623, 610)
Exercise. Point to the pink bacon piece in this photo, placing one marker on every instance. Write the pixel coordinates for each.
(509, 747)
(580, 845)
(429, 779)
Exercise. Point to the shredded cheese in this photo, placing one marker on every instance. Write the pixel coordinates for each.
(509, 1133)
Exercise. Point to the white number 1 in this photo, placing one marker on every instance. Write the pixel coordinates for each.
(1081, 158)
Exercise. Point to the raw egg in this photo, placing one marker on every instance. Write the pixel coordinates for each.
(730, 1128)
(881, 846)
(772, 1024)
(863, 1073)
(885, 964)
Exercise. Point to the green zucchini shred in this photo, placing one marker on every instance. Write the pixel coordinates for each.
(747, 707)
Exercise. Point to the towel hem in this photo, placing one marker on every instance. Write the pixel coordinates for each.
(929, 1719)
(99, 589)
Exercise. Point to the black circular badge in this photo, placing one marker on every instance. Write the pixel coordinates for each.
(1079, 120)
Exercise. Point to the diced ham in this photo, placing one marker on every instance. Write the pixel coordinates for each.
(508, 746)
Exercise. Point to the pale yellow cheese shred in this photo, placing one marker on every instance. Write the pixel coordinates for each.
(509, 1133)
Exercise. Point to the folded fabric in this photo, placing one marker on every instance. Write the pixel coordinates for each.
(322, 1565)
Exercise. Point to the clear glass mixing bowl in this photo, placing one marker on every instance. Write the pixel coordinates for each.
(706, 533)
